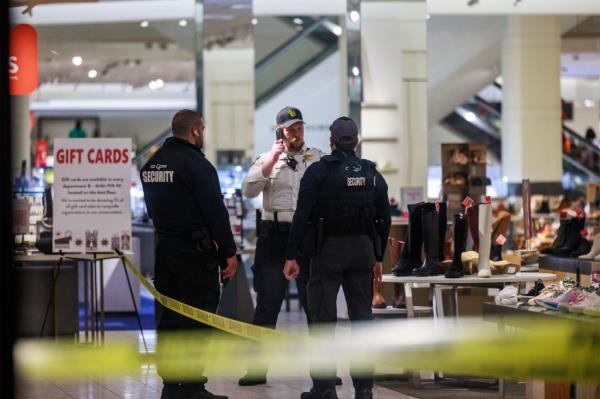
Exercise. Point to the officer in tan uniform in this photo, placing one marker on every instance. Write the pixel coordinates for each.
(277, 175)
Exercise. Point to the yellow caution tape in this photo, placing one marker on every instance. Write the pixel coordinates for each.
(554, 350)
(235, 327)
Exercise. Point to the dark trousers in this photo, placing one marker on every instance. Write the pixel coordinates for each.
(183, 273)
(269, 282)
(347, 262)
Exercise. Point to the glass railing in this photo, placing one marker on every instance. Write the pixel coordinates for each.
(317, 39)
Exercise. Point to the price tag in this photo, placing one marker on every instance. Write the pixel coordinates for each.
(580, 213)
(584, 233)
(468, 202)
(512, 270)
(437, 206)
(500, 240)
(488, 199)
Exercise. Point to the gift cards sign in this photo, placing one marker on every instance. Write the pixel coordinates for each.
(23, 60)
(92, 207)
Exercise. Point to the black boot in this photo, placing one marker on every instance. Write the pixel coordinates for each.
(431, 231)
(411, 253)
(443, 226)
(559, 240)
(316, 394)
(460, 241)
(496, 252)
(572, 237)
(584, 247)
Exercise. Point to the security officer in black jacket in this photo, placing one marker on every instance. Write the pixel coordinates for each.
(184, 200)
(345, 200)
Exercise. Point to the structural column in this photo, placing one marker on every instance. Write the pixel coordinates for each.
(21, 134)
(531, 110)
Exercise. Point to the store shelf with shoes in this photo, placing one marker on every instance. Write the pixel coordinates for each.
(463, 173)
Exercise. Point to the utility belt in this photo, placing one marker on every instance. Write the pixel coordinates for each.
(317, 232)
(200, 239)
(269, 228)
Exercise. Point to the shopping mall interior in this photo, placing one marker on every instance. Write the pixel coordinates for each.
(482, 116)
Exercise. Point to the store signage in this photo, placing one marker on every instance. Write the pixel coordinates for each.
(468, 202)
(500, 240)
(23, 60)
(92, 179)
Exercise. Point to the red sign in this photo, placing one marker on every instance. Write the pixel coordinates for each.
(500, 240)
(468, 202)
(41, 153)
(580, 213)
(23, 60)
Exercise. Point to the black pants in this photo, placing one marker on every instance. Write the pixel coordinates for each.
(269, 282)
(347, 262)
(183, 273)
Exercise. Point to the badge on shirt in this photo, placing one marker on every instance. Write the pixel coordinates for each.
(308, 157)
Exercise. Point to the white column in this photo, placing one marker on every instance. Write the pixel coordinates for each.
(21, 133)
(394, 114)
(531, 110)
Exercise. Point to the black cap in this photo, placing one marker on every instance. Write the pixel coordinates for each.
(344, 132)
(288, 116)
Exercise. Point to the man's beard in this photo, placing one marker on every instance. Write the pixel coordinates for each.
(295, 146)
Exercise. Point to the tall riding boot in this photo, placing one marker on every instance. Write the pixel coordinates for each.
(431, 231)
(460, 241)
(472, 220)
(442, 226)
(411, 253)
(572, 237)
(496, 252)
(559, 240)
(485, 240)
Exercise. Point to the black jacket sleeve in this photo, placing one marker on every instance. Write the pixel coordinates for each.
(307, 199)
(382, 211)
(203, 181)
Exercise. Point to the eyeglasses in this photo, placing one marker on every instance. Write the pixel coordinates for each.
(291, 162)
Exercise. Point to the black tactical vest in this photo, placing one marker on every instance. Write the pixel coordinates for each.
(346, 199)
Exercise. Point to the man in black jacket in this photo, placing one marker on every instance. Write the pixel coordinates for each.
(346, 200)
(184, 200)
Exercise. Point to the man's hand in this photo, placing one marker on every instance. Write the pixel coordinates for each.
(276, 150)
(231, 268)
(291, 270)
(377, 273)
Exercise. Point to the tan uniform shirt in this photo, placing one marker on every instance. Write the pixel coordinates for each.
(280, 189)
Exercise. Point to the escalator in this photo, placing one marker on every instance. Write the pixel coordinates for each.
(287, 51)
(479, 120)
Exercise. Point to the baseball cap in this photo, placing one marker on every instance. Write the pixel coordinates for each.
(344, 132)
(288, 116)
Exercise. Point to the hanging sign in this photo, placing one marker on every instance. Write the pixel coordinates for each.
(23, 60)
(92, 179)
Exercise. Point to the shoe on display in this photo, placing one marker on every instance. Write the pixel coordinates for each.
(485, 238)
(431, 239)
(496, 252)
(410, 257)
(252, 379)
(365, 393)
(544, 207)
(479, 157)
(595, 250)
(378, 301)
(460, 241)
(314, 394)
(573, 237)
(469, 260)
(473, 223)
(550, 292)
(459, 157)
(536, 289)
(584, 247)
(564, 301)
(499, 267)
(559, 240)
(590, 300)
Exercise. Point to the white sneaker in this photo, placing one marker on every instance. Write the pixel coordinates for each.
(595, 251)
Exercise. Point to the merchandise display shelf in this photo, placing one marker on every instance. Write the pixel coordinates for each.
(390, 310)
(567, 265)
(498, 279)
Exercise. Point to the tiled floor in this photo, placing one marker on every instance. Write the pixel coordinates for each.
(148, 384)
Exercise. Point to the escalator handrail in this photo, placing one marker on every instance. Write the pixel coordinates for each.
(275, 54)
(158, 140)
(488, 106)
(577, 165)
(571, 133)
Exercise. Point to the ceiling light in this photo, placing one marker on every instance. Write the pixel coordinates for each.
(298, 21)
(254, 21)
(144, 24)
(589, 103)
(92, 73)
(337, 30)
(355, 71)
(183, 22)
(354, 16)
(470, 116)
(77, 60)
(427, 16)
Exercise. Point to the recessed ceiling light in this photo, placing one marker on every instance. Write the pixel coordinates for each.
(92, 73)
(337, 30)
(298, 21)
(354, 15)
(470, 116)
(183, 22)
(144, 24)
(77, 60)
(355, 71)
(254, 21)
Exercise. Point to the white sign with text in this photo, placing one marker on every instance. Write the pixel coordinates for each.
(92, 179)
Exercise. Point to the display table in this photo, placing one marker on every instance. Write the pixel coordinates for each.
(568, 265)
(437, 282)
(521, 317)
